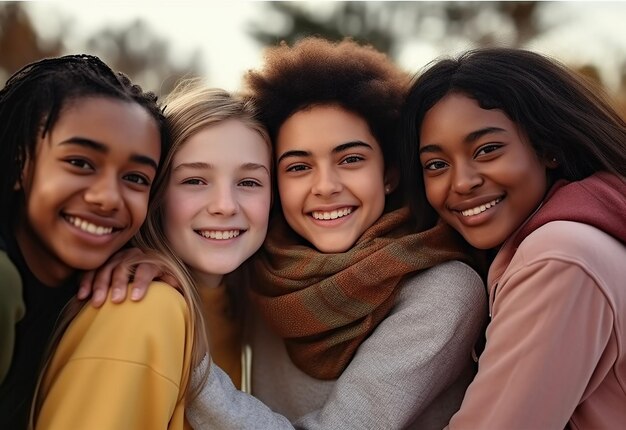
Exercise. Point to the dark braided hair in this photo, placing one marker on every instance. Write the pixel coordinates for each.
(32, 100)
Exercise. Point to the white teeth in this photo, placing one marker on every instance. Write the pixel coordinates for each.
(333, 214)
(89, 227)
(220, 234)
(481, 208)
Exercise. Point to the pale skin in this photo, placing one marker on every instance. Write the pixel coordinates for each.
(341, 168)
(220, 184)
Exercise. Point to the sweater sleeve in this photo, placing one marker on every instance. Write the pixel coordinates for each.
(414, 355)
(419, 351)
(11, 310)
(551, 324)
(121, 366)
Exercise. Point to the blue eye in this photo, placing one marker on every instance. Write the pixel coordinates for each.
(250, 183)
(193, 181)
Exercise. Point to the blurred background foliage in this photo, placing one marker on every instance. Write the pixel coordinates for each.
(138, 50)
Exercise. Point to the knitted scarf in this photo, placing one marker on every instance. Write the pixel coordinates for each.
(325, 305)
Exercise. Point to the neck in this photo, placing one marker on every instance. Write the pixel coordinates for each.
(207, 280)
(44, 265)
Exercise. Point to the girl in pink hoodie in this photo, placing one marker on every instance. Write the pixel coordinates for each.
(525, 159)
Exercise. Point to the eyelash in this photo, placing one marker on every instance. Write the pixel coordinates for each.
(253, 183)
(492, 146)
(86, 166)
(355, 158)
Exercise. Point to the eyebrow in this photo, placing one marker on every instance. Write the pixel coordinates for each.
(104, 149)
(336, 150)
(471, 137)
(199, 165)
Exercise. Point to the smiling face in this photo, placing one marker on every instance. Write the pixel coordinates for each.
(87, 188)
(481, 174)
(330, 176)
(218, 198)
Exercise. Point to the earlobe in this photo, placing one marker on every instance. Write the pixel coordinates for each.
(552, 163)
(392, 179)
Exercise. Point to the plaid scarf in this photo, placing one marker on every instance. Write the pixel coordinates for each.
(325, 305)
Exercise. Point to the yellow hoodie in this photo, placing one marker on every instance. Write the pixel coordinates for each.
(123, 366)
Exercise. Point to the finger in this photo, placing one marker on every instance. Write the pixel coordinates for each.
(101, 284)
(144, 274)
(86, 283)
(119, 282)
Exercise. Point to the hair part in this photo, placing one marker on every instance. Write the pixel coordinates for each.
(563, 115)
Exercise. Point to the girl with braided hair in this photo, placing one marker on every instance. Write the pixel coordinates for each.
(81, 146)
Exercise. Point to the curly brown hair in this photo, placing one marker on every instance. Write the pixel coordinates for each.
(316, 71)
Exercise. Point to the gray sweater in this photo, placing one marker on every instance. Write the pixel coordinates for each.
(411, 372)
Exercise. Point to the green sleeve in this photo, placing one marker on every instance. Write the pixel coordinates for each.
(11, 310)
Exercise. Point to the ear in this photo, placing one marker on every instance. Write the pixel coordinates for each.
(392, 179)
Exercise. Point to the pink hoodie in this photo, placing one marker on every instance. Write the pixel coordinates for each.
(555, 355)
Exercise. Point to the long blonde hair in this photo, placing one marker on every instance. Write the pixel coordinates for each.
(191, 107)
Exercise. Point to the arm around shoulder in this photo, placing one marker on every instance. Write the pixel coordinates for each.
(121, 366)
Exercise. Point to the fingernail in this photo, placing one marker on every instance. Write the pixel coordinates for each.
(116, 295)
(82, 293)
(135, 294)
(98, 296)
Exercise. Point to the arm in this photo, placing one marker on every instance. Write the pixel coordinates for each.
(11, 310)
(122, 366)
(550, 325)
(413, 356)
(222, 406)
(431, 335)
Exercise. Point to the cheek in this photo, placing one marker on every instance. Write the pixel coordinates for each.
(139, 204)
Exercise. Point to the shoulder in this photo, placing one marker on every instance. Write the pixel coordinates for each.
(163, 310)
(450, 280)
(448, 292)
(573, 243)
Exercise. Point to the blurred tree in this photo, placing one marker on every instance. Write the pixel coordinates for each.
(19, 43)
(386, 25)
(138, 52)
(390, 26)
(133, 49)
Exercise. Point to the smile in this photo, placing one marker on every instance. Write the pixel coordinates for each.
(88, 227)
(482, 208)
(219, 234)
(340, 213)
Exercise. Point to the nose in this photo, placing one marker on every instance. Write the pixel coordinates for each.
(104, 193)
(466, 178)
(222, 201)
(326, 182)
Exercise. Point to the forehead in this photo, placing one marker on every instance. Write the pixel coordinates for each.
(323, 127)
(119, 125)
(460, 114)
(230, 141)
